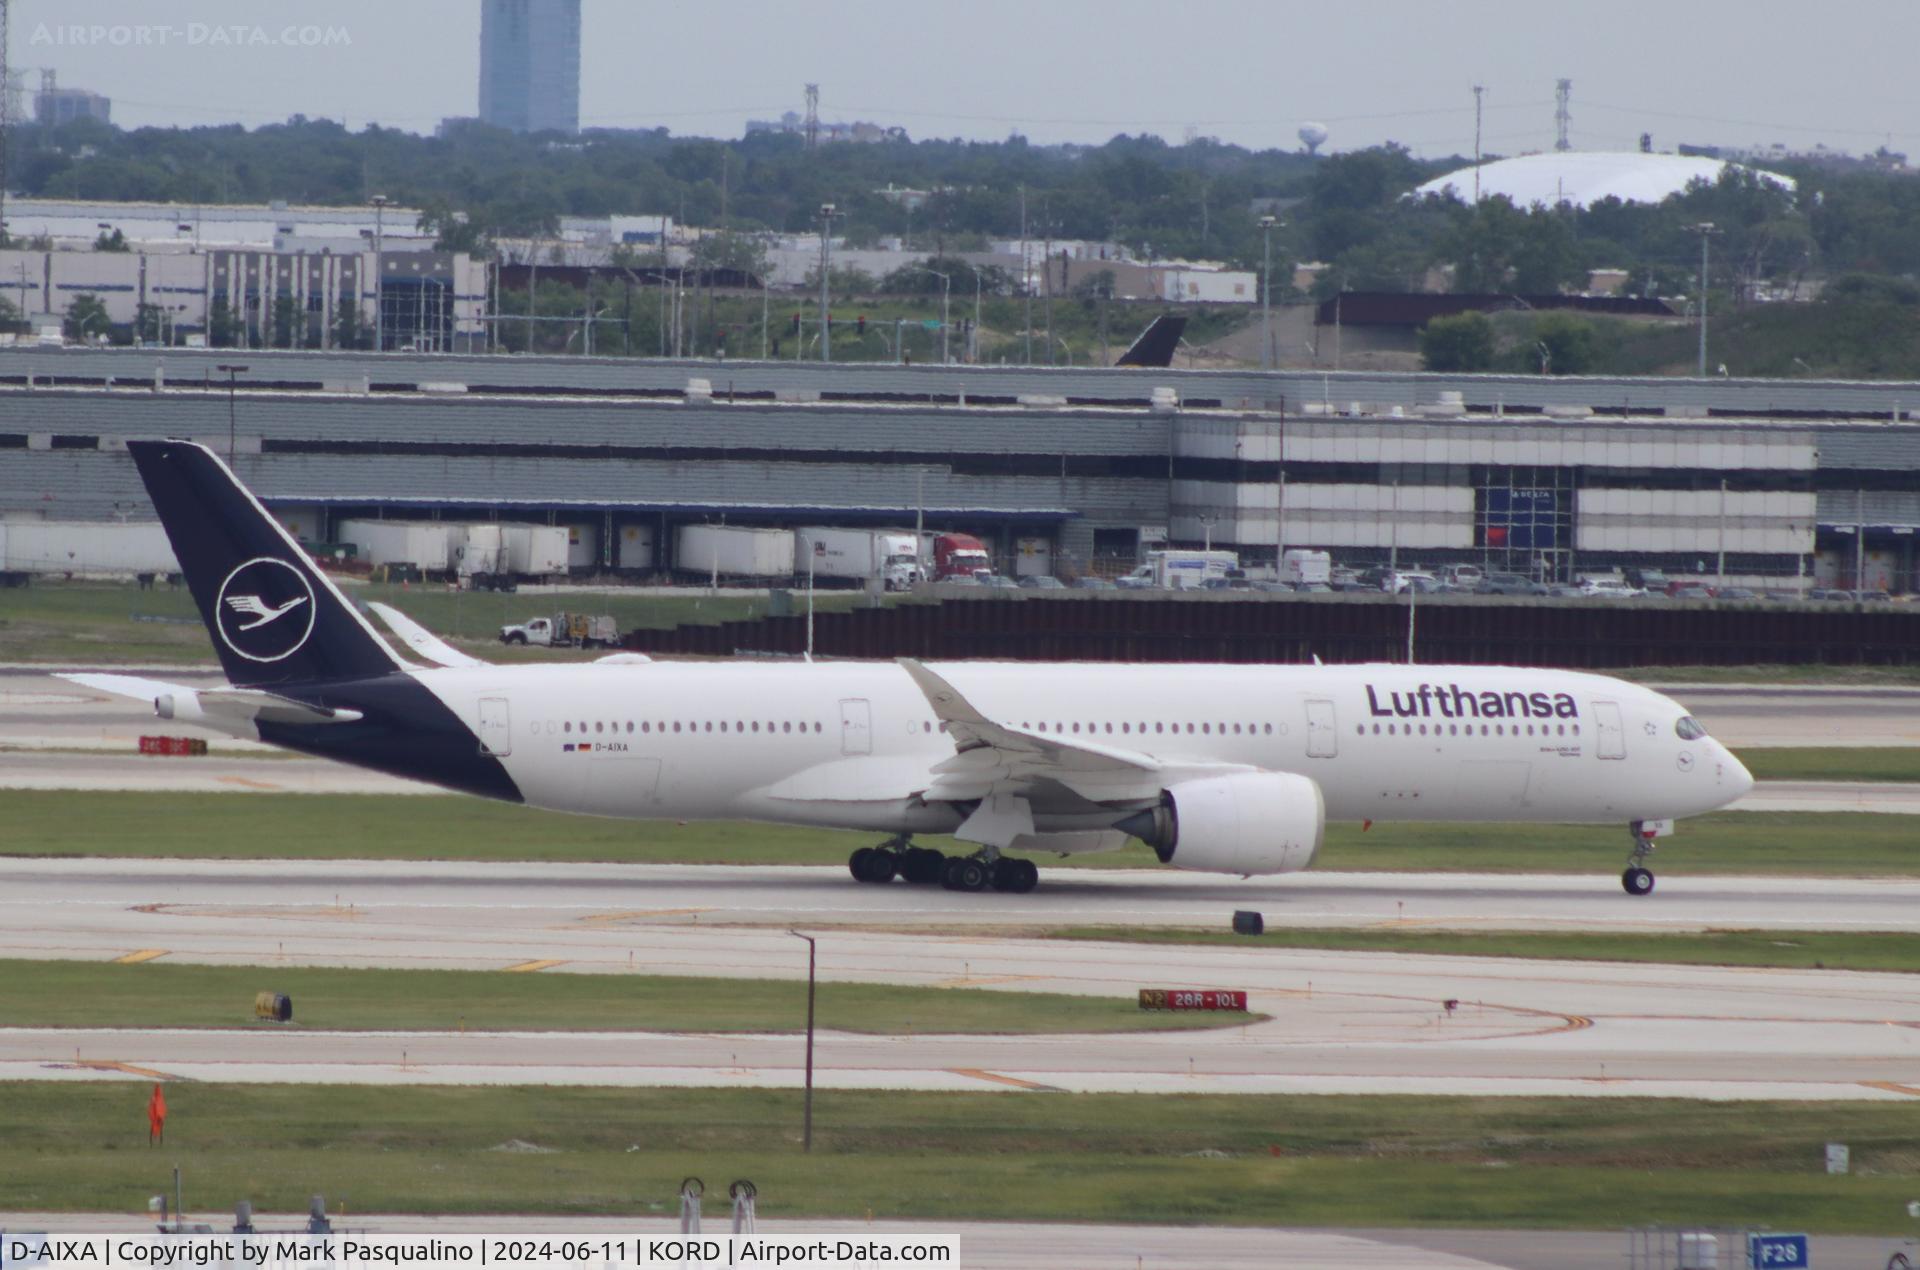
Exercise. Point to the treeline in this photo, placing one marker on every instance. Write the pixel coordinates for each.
(1198, 200)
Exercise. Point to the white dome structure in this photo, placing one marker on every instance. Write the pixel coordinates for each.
(1581, 178)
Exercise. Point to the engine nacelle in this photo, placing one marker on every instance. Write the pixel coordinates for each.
(1251, 822)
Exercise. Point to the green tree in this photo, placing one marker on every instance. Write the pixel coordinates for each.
(348, 330)
(1565, 342)
(220, 321)
(452, 229)
(10, 319)
(115, 241)
(1461, 342)
(87, 317)
(285, 314)
(728, 250)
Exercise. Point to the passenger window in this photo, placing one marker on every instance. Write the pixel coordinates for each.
(567, 726)
(676, 726)
(597, 727)
(786, 727)
(1423, 729)
(1268, 728)
(723, 725)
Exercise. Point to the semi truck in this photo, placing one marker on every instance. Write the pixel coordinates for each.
(954, 556)
(1179, 570)
(423, 543)
(29, 547)
(563, 630)
(891, 556)
(734, 551)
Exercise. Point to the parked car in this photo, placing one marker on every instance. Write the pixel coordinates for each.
(1310, 588)
(1226, 584)
(1736, 593)
(1093, 584)
(1510, 584)
(1690, 592)
(1606, 589)
(1341, 578)
(998, 581)
(1042, 582)
(1273, 587)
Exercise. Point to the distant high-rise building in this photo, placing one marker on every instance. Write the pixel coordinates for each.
(530, 65)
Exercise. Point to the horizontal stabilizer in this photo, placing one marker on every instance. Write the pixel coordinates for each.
(227, 709)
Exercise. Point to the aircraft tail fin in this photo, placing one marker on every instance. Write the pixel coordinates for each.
(1156, 345)
(274, 618)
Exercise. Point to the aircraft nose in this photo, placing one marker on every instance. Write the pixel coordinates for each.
(1735, 779)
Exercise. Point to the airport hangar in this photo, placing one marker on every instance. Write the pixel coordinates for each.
(1059, 470)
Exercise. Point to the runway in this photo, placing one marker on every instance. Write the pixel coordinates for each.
(1341, 1022)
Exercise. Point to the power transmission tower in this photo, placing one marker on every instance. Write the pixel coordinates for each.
(1478, 93)
(1563, 91)
(813, 115)
(6, 123)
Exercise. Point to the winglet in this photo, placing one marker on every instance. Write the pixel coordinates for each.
(419, 640)
(948, 705)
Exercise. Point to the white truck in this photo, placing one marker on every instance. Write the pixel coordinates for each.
(424, 543)
(734, 551)
(535, 551)
(1297, 567)
(1179, 570)
(477, 555)
(563, 630)
(890, 555)
(84, 547)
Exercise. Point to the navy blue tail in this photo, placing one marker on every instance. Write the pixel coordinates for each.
(1157, 344)
(274, 618)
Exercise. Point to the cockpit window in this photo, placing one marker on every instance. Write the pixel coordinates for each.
(1689, 728)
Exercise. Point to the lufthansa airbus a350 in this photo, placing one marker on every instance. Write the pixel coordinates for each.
(1222, 768)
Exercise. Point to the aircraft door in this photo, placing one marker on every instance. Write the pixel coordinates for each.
(496, 727)
(1612, 740)
(1323, 731)
(856, 726)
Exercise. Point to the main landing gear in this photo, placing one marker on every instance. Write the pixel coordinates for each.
(923, 865)
(1638, 879)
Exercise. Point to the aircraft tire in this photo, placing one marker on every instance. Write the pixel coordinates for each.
(857, 863)
(964, 873)
(881, 866)
(923, 865)
(1637, 881)
(1029, 877)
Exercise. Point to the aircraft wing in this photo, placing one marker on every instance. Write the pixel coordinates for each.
(228, 709)
(419, 640)
(998, 766)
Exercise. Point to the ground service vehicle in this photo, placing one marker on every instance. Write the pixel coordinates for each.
(861, 555)
(563, 630)
(1229, 769)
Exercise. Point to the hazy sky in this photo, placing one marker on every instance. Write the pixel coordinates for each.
(1704, 71)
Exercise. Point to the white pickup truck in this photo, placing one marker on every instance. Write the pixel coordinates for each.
(563, 630)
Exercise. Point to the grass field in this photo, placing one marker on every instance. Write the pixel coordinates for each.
(1834, 763)
(1333, 1161)
(84, 994)
(316, 827)
(106, 623)
(1796, 950)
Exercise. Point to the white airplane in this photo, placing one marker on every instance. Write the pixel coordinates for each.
(1222, 768)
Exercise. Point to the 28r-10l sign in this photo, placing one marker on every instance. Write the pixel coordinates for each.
(1192, 999)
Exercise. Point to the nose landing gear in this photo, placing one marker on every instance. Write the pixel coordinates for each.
(1638, 879)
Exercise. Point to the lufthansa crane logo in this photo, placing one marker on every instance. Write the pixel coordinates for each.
(265, 610)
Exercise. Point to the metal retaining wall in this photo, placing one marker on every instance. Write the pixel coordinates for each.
(1343, 629)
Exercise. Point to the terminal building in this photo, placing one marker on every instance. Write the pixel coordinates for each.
(1073, 482)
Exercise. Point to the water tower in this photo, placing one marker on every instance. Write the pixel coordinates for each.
(1313, 136)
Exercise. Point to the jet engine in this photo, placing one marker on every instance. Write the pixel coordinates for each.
(1250, 822)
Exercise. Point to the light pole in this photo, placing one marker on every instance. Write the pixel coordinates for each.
(946, 293)
(1266, 292)
(230, 370)
(1706, 231)
(973, 336)
(806, 1123)
(380, 271)
(826, 266)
